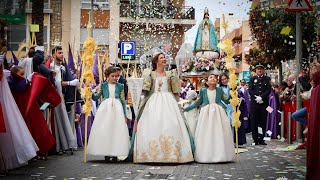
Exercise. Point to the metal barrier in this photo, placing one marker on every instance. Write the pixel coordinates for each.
(282, 123)
(289, 128)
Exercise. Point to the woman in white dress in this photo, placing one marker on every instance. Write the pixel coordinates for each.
(109, 134)
(162, 135)
(17, 146)
(192, 115)
(213, 136)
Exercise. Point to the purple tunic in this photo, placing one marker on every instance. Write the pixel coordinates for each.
(80, 126)
(273, 117)
(244, 114)
(245, 110)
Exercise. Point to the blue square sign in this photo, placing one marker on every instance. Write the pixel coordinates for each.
(127, 50)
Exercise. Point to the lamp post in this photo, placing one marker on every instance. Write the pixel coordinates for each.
(92, 19)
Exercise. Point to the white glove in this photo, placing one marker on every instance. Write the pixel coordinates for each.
(260, 102)
(74, 82)
(29, 78)
(96, 89)
(1, 58)
(258, 99)
(7, 73)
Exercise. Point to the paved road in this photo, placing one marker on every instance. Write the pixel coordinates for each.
(259, 162)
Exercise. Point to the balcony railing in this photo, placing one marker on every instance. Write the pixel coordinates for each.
(160, 12)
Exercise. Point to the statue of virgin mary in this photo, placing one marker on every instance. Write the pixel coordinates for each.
(206, 39)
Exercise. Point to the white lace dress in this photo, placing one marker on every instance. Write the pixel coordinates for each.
(162, 135)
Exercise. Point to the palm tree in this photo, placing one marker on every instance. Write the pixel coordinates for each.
(37, 18)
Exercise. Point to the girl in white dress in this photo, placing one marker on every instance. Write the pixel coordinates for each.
(162, 134)
(192, 115)
(109, 134)
(213, 136)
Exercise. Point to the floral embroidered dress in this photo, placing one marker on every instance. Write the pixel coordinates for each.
(162, 135)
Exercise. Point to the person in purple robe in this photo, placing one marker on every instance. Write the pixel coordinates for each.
(78, 125)
(16, 84)
(90, 122)
(185, 87)
(246, 97)
(243, 118)
(273, 117)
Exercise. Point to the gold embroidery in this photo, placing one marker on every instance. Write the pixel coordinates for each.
(166, 149)
(177, 150)
(189, 156)
(166, 146)
(144, 156)
(160, 83)
(154, 150)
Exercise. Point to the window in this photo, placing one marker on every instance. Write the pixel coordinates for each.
(16, 34)
(100, 35)
(46, 4)
(45, 36)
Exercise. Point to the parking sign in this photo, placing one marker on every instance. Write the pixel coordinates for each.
(127, 50)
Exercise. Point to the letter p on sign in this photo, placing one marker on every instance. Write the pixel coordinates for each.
(127, 48)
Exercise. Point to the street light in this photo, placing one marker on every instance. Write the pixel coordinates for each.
(92, 15)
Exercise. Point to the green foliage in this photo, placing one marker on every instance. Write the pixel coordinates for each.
(274, 47)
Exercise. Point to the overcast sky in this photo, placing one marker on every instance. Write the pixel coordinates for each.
(216, 8)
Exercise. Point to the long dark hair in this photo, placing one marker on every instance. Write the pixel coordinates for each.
(221, 75)
(155, 61)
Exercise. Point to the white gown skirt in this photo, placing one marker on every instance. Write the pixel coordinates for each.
(17, 146)
(162, 135)
(213, 136)
(192, 119)
(109, 134)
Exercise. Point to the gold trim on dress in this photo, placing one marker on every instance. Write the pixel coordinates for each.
(166, 149)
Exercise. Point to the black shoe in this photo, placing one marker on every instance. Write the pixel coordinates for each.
(113, 159)
(107, 158)
(262, 143)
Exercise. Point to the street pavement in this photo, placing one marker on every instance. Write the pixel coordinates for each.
(277, 160)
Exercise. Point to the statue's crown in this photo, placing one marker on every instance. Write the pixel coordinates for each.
(206, 10)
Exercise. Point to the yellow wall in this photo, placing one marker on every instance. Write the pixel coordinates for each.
(46, 19)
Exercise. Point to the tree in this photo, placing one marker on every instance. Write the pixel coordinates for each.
(274, 47)
(37, 18)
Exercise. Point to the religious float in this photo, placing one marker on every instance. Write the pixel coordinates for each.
(205, 58)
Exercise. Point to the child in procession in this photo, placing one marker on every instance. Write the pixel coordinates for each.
(213, 136)
(192, 115)
(109, 134)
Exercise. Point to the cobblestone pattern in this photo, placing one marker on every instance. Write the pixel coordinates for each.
(259, 162)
